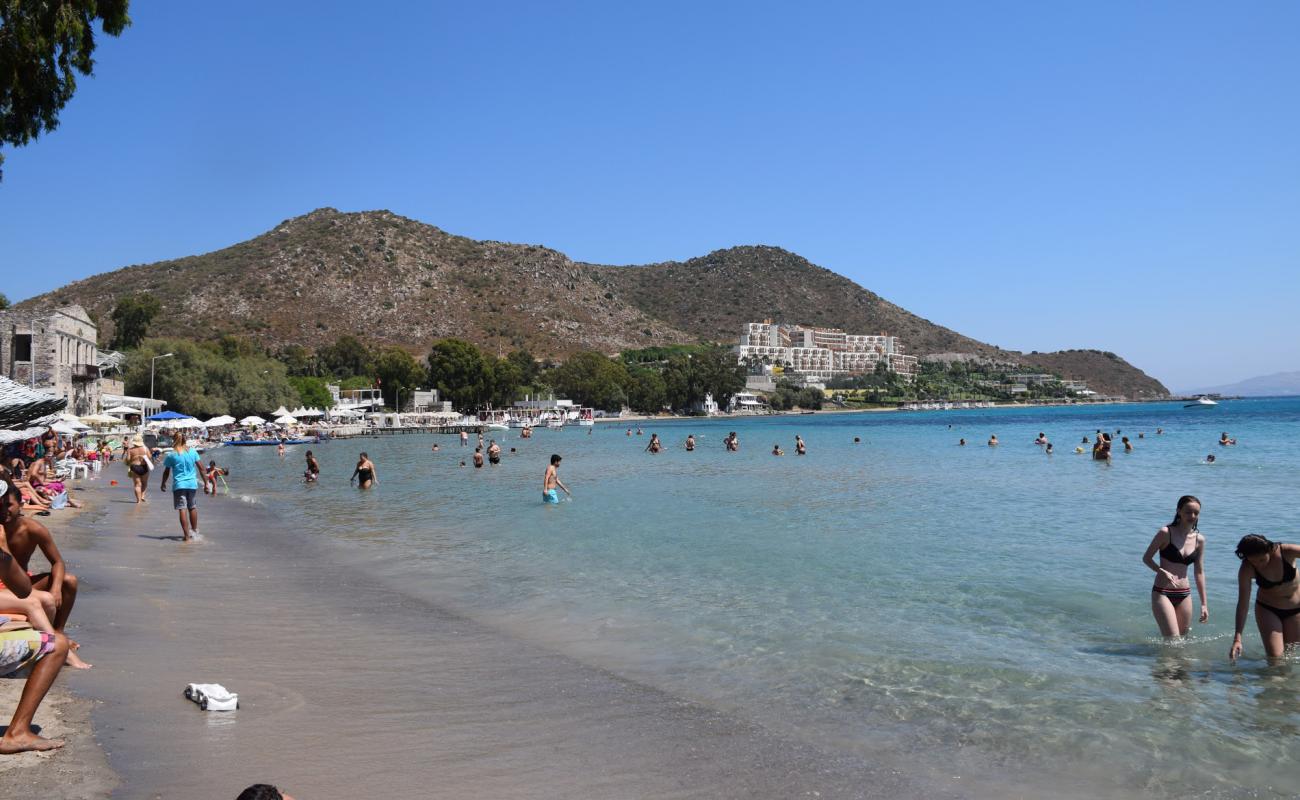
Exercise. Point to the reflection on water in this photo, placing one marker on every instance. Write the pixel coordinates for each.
(891, 596)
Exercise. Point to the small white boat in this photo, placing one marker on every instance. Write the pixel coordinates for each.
(586, 416)
(1201, 402)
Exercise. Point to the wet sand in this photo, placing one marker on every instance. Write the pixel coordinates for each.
(351, 689)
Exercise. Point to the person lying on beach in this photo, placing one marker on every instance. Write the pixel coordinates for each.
(313, 468)
(44, 651)
(1277, 604)
(53, 593)
(551, 481)
(365, 473)
(1180, 545)
(1225, 441)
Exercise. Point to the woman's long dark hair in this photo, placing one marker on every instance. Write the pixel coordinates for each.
(1253, 544)
(1182, 501)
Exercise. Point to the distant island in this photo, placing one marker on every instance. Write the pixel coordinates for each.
(397, 281)
(1278, 384)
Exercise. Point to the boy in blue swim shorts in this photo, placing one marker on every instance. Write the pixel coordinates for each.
(551, 481)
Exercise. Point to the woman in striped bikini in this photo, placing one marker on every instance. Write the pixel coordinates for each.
(1180, 545)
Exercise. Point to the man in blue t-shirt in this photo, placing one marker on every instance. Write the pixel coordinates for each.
(182, 464)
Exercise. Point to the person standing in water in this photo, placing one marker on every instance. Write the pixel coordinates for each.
(313, 469)
(654, 446)
(464, 439)
(1180, 545)
(800, 449)
(1277, 604)
(139, 464)
(551, 481)
(690, 442)
(494, 453)
(365, 473)
(182, 464)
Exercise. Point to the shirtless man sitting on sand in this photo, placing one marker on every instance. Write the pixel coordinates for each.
(45, 652)
(48, 602)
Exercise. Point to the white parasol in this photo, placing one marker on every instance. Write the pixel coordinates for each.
(224, 419)
(252, 420)
(285, 419)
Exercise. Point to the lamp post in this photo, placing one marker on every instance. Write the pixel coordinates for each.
(151, 362)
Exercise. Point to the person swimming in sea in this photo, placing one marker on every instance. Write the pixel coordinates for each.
(993, 440)
(1224, 441)
(960, 442)
(1209, 459)
(777, 451)
(1180, 545)
(1048, 449)
(1042, 438)
(1277, 603)
(365, 473)
(1128, 446)
(435, 447)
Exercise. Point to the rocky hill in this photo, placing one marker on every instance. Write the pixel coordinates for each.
(394, 280)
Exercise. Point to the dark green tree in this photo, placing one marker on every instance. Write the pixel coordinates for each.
(527, 365)
(348, 357)
(298, 360)
(4, 301)
(311, 391)
(399, 375)
(201, 381)
(131, 318)
(646, 392)
(43, 45)
(460, 373)
(507, 377)
(592, 379)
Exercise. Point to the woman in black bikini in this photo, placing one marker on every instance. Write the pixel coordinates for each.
(1180, 545)
(138, 462)
(1277, 604)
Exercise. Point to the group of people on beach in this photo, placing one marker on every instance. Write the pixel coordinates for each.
(34, 606)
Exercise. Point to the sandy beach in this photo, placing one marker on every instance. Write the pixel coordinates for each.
(349, 688)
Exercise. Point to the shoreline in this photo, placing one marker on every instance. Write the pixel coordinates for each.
(302, 633)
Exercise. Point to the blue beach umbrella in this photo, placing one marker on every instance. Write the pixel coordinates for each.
(166, 415)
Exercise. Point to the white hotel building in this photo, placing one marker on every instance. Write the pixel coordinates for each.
(822, 352)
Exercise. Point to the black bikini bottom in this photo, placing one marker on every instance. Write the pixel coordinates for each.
(1282, 613)
(1175, 596)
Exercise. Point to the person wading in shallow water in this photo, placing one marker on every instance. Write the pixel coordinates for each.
(551, 481)
(365, 473)
(1180, 545)
(1277, 603)
(182, 464)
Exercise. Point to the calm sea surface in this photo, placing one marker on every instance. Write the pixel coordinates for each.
(950, 609)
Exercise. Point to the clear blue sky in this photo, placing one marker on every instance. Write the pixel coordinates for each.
(1124, 176)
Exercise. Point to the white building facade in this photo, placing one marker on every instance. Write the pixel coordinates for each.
(822, 352)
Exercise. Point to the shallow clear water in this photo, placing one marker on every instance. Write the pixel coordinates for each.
(971, 608)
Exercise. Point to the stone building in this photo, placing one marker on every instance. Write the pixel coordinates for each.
(54, 351)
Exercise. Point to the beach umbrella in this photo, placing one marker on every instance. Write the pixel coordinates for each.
(21, 407)
(67, 428)
(252, 420)
(224, 419)
(280, 412)
(285, 419)
(163, 416)
(122, 410)
(308, 412)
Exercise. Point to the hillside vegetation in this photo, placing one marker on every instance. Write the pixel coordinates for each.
(393, 280)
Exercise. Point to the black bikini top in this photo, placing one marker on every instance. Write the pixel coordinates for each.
(1171, 553)
(1288, 575)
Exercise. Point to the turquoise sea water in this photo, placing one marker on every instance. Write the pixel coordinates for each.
(955, 610)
